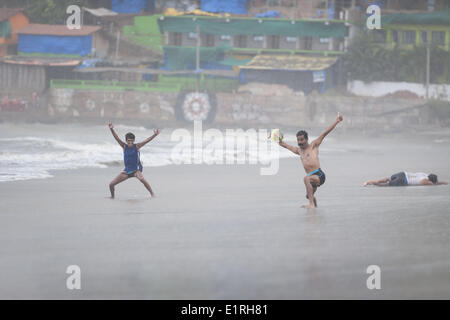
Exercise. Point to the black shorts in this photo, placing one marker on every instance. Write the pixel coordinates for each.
(320, 174)
(131, 175)
(398, 180)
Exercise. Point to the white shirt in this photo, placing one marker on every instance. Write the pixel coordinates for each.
(414, 178)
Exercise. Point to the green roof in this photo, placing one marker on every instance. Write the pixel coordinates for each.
(432, 18)
(254, 26)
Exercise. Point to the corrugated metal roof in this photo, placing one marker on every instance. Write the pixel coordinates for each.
(41, 62)
(100, 12)
(57, 30)
(289, 62)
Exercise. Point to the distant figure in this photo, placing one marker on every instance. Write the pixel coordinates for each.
(407, 179)
(133, 166)
(309, 154)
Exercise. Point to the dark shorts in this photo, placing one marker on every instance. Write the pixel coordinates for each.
(398, 179)
(131, 174)
(320, 174)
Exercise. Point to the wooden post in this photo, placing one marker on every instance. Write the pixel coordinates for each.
(197, 58)
(197, 51)
(428, 69)
(117, 43)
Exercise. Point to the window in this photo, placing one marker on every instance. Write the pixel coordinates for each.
(291, 39)
(424, 36)
(324, 40)
(175, 38)
(395, 36)
(273, 42)
(208, 40)
(409, 37)
(240, 41)
(192, 35)
(379, 36)
(308, 43)
(225, 37)
(258, 38)
(438, 37)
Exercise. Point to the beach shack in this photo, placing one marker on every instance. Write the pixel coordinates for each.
(45, 39)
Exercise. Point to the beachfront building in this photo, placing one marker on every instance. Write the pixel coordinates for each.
(45, 39)
(246, 43)
(47, 52)
(11, 19)
(410, 30)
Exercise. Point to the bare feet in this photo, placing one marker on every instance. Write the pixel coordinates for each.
(309, 206)
(315, 200)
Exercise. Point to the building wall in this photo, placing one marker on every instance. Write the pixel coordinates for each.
(17, 77)
(73, 45)
(417, 29)
(285, 44)
(100, 44)
(17, 22)
(251, 43)
(379, 89)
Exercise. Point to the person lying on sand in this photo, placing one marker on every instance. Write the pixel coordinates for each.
(133, 166)
(407, 179)
(309, 155)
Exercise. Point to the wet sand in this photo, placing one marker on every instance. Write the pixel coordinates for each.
(226, 232)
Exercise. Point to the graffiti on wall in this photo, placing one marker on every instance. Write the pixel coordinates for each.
(110, 104)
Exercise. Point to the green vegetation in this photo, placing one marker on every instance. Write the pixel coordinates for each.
(145, 32)
(48, 11)
(369, 61)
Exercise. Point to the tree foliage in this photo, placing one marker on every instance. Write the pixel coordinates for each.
(369, 61)
(48, 11)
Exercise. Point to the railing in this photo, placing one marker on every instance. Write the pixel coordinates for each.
(201, 83)
(115, 85)
(164, 84)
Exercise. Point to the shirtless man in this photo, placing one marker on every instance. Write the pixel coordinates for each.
(309, 154)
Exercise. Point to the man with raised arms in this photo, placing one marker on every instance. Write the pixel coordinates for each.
(309, 154)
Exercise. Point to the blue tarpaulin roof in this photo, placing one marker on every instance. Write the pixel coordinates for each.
(229, 6)
(79, 45)
(269, 14)
(128, 6)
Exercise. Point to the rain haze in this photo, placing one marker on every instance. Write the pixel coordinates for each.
(215, 150)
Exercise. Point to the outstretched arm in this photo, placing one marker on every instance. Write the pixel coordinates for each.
(111, 127)
(319, 140)
(379, 182)
(441, 182)
(289, 147)
(143, 143)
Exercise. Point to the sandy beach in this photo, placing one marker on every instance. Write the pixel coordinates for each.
(227, 232)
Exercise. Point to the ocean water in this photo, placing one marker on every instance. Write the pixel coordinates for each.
(34, 151)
